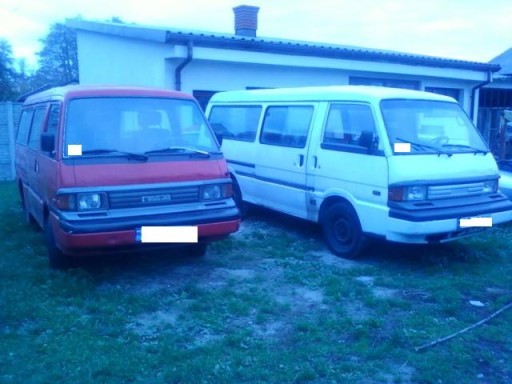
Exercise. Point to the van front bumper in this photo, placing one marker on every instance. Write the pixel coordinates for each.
(76, 236)
(442, 223)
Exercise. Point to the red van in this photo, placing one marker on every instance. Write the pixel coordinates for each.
(111, 168)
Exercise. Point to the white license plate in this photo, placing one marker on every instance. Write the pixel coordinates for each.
(166, 234)
(475, 222)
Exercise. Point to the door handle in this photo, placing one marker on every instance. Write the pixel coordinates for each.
(36, 166)
(315, 162)
(301, 160)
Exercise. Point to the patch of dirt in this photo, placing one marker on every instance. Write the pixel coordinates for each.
(330, 259)
(240, 269)
(378, 292)
(149, 324)
(357, 311)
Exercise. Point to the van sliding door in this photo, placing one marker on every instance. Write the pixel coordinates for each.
(282, 157)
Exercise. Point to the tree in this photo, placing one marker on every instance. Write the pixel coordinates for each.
(58, 60)
(7, 73)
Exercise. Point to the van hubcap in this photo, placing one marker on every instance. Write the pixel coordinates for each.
(343, 231)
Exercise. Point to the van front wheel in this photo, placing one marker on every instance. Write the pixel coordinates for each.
(342, 231)
(237, 197)
(57, 258)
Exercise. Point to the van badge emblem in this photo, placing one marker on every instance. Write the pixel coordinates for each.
(147, 199)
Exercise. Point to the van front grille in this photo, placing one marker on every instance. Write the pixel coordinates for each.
(436, 192)
(152, 197)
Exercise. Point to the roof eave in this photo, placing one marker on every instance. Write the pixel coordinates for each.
(260, 45)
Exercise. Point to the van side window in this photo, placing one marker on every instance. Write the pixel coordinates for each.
(235, 122)
(35, 131)
(53, 123)
(286, 126)
(347, 126)
(53, 119)
(24, 126)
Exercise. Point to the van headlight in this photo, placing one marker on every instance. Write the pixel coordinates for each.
(410, 193)
(490, 186)
(215, 191)
(211, 192)
(89, 201)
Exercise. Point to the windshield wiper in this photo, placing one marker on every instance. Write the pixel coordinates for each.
(180, 150)
(103, 151)
(476, 150)
(421, 146)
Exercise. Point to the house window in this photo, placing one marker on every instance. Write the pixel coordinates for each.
(203, 97)
(286, 126)
(452, 92)
(391, 83)
(239, 122)
(256, 88)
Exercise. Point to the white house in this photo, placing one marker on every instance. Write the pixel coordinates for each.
(202, 63)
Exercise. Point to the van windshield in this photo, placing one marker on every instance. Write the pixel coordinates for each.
(431, 126)
(116, 126)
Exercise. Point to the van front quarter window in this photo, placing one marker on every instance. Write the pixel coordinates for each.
(347, 125)
(430, 126)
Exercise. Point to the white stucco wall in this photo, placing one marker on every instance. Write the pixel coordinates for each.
(211, 75)
(222, 76)
(106, 59)
(241, 56)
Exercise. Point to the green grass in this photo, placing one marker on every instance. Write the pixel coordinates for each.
(269, 306)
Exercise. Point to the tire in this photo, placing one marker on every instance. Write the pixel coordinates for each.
(342, 231)
(240, 204)
(198, 250)
(57, 259)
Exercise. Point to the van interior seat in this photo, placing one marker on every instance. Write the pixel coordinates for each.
(150, 133)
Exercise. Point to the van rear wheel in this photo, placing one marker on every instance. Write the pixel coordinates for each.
(342, 231)
(56, 257)
(29, 219)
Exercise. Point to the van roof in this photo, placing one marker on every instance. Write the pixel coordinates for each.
(80, 91)
(322, 93)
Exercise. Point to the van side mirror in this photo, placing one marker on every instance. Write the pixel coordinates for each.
(47, 142)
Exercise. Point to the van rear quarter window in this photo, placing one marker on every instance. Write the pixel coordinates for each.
(136, 125)
(286, 126)
(36, 128)
(235, 122)
(24, 126)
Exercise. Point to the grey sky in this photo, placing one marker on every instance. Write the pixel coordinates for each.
(476, 30)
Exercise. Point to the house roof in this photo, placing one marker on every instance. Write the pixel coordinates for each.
(505, 62)
(273, 45)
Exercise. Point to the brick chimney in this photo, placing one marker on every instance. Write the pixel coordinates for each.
(246, 20)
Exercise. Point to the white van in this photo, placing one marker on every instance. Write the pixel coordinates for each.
(407, 166)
